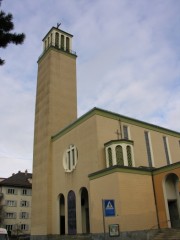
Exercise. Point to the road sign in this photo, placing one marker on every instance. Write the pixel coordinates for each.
(109, 208)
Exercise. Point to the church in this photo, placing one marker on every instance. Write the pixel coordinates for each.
(101, 175)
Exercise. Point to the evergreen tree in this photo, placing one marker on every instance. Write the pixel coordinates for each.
(6, 36)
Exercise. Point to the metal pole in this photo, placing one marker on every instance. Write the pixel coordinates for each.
(103, 219)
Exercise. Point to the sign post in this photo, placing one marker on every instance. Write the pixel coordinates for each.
(108, 209)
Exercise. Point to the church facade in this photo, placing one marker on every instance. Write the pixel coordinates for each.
(102, 174)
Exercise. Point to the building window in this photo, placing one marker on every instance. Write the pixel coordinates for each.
(11, 203)
(110, 157)
(57, 39)
(67, 44)
(119, 155)
(71, 212)
(62, 41)
(24, 203)
(26, 192)
(166, 149)
(24, 215)
(24, 227)
(70, 158)
(148, 148)
(125, 132)
(10, 215)
(48, 41)
(11, 191)
(129, 156)
(9, 227)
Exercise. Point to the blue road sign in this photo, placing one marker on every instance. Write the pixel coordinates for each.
(109, 208)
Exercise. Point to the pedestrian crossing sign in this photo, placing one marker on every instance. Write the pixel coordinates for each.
(109, 208)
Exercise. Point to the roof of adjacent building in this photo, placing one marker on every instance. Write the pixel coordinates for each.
(20, 179)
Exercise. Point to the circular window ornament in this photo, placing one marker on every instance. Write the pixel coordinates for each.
(70, 158)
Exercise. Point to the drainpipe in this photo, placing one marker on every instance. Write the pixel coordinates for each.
(155, 199)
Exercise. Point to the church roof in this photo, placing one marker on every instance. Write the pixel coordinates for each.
(20, 179)
(115, 116)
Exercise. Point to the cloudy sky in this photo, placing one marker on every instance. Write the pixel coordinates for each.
(128, 62)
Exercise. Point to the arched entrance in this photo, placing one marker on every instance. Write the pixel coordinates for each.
(85, 210)
(172, 200)
(62, 214)
(71, 213)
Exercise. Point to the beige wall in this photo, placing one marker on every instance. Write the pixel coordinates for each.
(134, 201)
(56, 107)
(89, 137)
(106, 131)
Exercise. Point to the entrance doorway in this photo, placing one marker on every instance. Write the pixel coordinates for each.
(173, 213)
(172, 200)
(62, 214)
(85, 210)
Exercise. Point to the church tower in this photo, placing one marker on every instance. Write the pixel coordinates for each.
(56, 108)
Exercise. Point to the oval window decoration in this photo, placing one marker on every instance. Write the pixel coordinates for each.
(70, 158)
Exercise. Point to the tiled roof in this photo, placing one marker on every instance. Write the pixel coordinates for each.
(19, 179)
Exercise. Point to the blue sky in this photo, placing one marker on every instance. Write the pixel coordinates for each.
(128, 62)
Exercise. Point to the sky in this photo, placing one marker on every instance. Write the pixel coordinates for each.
(128, 62)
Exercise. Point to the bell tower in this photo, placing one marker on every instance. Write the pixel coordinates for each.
(56, 107)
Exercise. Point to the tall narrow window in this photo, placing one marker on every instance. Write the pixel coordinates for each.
(148, 148)
(57, 39)
(67, 44)
(110, 157)
(119, 155)
(166, 150)
(129, 156)
(71, 213)
(62, 41)
(51, 39)
(125, 132)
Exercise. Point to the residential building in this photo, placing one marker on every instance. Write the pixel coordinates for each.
(16, 193)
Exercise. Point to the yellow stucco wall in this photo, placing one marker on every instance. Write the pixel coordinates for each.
(134, 201)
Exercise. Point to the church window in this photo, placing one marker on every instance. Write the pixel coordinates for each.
(46, 44)
(110, 157)
(125, 132)
(119, 155)
(57, 39)
(51, 39)
(70, 158)
(129, 156)
(71, 213)
(67, 44)
(166, 149)
(62, 41)
(148, 148)
(48, 41)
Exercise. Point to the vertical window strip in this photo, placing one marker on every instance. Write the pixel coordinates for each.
(119, 155)
(57, 39)
(148, 148)
(110, 157)
(125, 132)
(166, 150)
(129, 156)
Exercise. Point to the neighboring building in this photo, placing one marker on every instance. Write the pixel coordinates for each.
(16, 192)
(102, 163)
